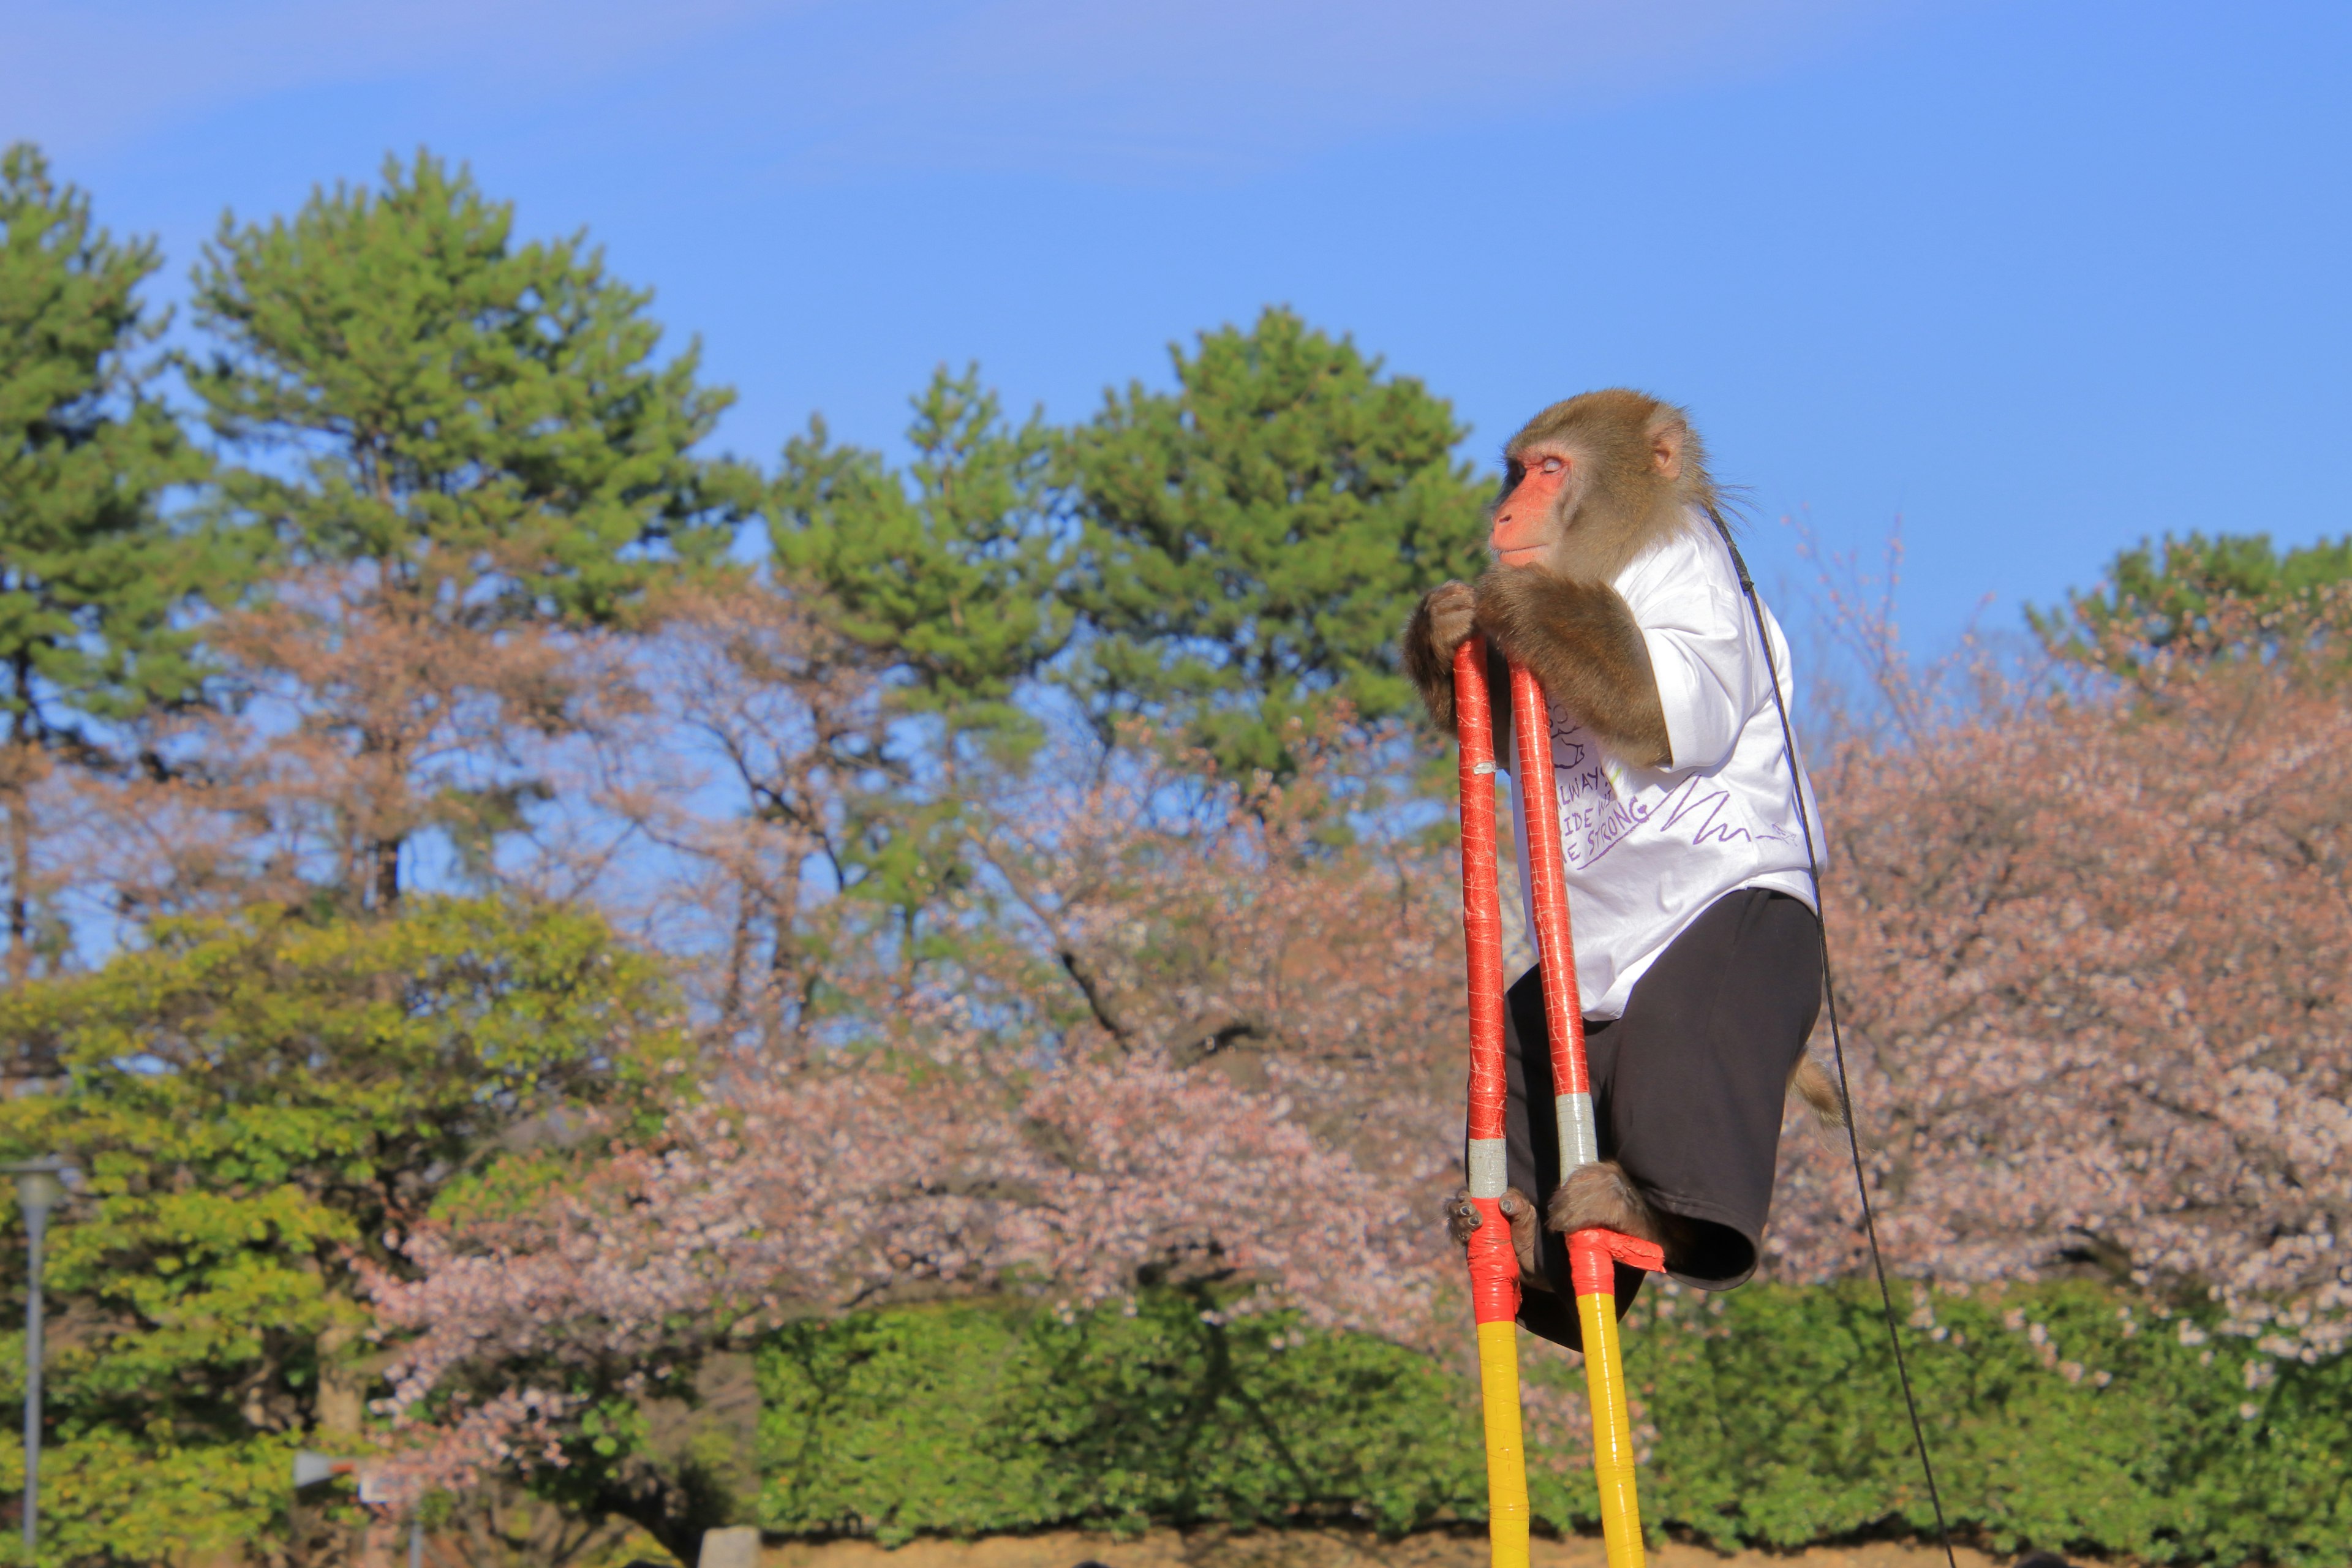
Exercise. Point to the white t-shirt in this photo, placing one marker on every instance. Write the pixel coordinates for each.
(1648, 850)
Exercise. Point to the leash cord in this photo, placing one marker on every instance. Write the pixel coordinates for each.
(1837, 1039)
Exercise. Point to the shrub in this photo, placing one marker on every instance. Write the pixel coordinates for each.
(2070, 1416)
(969, 1417)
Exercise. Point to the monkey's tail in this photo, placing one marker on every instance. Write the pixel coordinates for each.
(1828, 1105)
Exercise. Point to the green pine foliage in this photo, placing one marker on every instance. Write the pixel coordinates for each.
(950, 571)
(89, 574)
(1254, 540)
(454, 408)
(1227, 557)
(255, 1101)
(946, 578)
(458, 437)
(2171, 598)
(94, 582)
(2067, 1416)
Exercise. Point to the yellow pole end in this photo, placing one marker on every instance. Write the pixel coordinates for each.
(1507, 1465)
(1612, 1430)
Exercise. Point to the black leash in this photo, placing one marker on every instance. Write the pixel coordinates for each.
(1837, 1039)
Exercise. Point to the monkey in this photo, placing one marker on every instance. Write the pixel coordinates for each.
(1690, 881)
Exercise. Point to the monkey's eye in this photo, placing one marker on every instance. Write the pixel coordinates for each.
(1552, 465)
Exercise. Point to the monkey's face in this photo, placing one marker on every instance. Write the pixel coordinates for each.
(1562, 495)
(1533, 513)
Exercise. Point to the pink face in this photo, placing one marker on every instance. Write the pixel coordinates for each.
(1520, 522)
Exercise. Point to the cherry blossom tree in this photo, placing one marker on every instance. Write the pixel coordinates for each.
(2093, 943)
(830, 1190)
(1200, 1037)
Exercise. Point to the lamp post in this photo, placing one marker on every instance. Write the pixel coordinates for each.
(41, 1187)
(310, 1468)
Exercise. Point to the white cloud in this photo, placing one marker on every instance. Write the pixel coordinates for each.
(95, 73)
(1171, 85)
(1086, 87)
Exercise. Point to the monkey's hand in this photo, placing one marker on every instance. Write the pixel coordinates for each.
(1583, 644)
(1461, 1218)
(1446, 617)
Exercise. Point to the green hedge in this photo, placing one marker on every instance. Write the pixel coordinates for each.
(996, 1416)
(2064, 1416)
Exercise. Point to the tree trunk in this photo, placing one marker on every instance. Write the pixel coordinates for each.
(16, 774)
(385, 855)
(786, 961)
(342, 1389)
(20, 870)
(738, 948)
(381, 821)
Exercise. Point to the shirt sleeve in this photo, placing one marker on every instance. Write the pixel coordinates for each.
(1688, 603)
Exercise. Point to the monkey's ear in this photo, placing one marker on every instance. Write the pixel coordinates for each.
(1667, 440)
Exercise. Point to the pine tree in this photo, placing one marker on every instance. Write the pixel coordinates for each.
(93, 578)
(1254, 538)
(2199, 597)
(465, 440)
(950, 571)
(949, 574)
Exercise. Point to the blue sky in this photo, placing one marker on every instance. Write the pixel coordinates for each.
(2035, 279)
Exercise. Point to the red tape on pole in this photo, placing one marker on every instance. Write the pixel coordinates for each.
(1548, 882)
(1592, 1254)
(1494, 1265)
(1482, 904)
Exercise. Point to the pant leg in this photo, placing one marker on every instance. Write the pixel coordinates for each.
(1698, 1075)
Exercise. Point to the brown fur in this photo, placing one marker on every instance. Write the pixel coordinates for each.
(1430, 670)
(1602, 1194)
(1811, 1083)
(1583, 642)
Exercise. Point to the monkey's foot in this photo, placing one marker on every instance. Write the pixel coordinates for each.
(1462, 1217)
(1601, 1195)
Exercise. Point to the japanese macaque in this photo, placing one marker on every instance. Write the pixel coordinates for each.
(1593, 486)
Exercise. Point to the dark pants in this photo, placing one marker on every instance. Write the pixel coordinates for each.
(1688, 1092)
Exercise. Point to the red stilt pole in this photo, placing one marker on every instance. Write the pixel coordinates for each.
(1592, 1254)
(1493, 1264)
